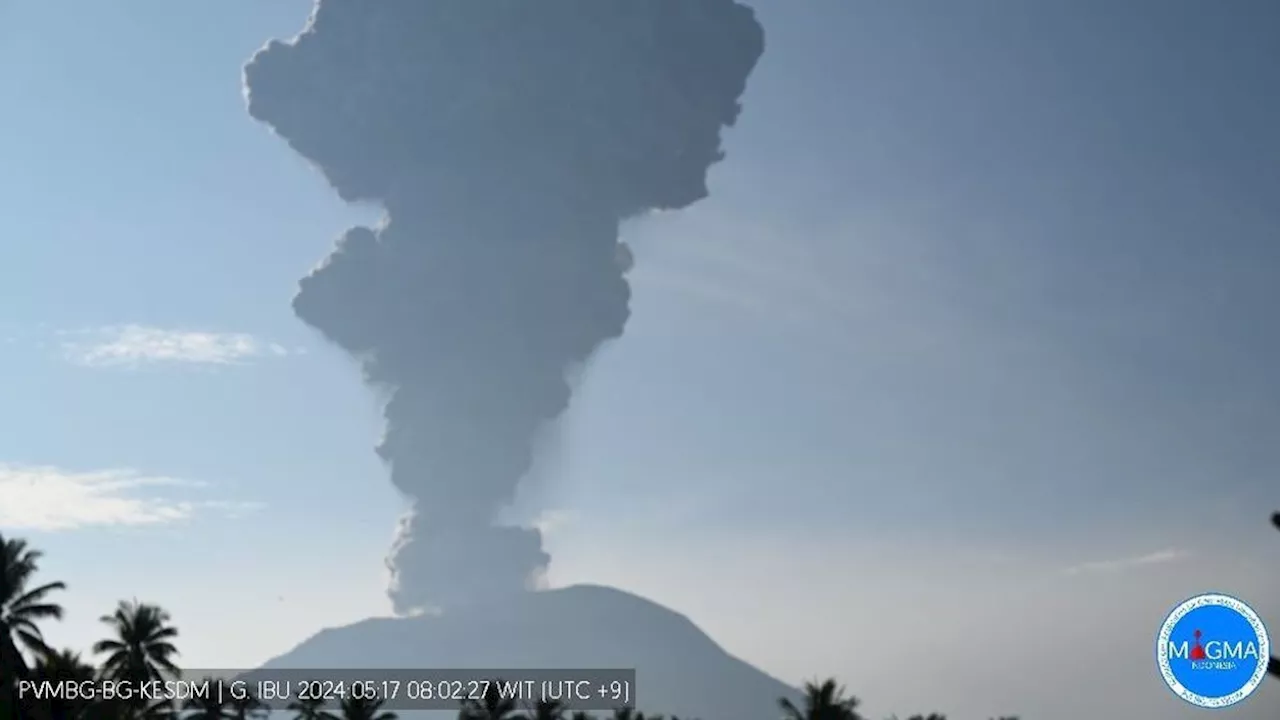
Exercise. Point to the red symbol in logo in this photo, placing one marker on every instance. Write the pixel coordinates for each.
(1197, 652)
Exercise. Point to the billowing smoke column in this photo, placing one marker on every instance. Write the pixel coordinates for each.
(506, 140)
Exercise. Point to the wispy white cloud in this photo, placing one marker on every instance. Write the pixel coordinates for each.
(133, 345)
(49, 499)
(1120, 564)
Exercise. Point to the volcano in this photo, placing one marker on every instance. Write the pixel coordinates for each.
(679, 669)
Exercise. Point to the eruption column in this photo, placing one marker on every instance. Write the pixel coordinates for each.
(506, 140)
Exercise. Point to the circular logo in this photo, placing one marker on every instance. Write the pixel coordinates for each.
(1212, 651)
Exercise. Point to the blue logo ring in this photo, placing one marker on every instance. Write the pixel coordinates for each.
(1237, 689)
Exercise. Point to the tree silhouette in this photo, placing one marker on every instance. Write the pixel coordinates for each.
(363, 709)
(546, 710)
(311, 709)
(21, 607)
(63, 665)
(141, 649)
(139, 652)
(825, 701)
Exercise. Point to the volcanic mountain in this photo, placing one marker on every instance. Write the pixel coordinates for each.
(679, 669)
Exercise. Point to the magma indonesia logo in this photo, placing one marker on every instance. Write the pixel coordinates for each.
(1213, 650)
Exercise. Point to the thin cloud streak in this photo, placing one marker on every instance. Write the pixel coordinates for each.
(1159, 557)
(135, 345)
(50, 499)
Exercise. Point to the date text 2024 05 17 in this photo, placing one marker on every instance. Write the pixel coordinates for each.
(446, 693)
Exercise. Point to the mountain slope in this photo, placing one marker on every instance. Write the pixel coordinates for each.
(679, 669)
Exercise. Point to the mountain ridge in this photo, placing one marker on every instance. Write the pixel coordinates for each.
(680, 670)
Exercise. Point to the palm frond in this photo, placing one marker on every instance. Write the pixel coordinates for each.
(37, 594)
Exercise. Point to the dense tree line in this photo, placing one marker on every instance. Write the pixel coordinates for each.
(139, 646)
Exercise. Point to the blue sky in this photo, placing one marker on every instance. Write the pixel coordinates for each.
(982, 301)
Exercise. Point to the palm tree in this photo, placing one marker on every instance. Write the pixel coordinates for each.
(210, 707)
(493, 706)
(822, 702)
(64, 665)
(141, 649)
(311, 709)
(21, 606)
(362, 709)
(247, 706)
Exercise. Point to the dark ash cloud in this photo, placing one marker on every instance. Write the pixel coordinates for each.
(506, 140)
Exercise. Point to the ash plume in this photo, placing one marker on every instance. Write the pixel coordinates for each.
(506, 140)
